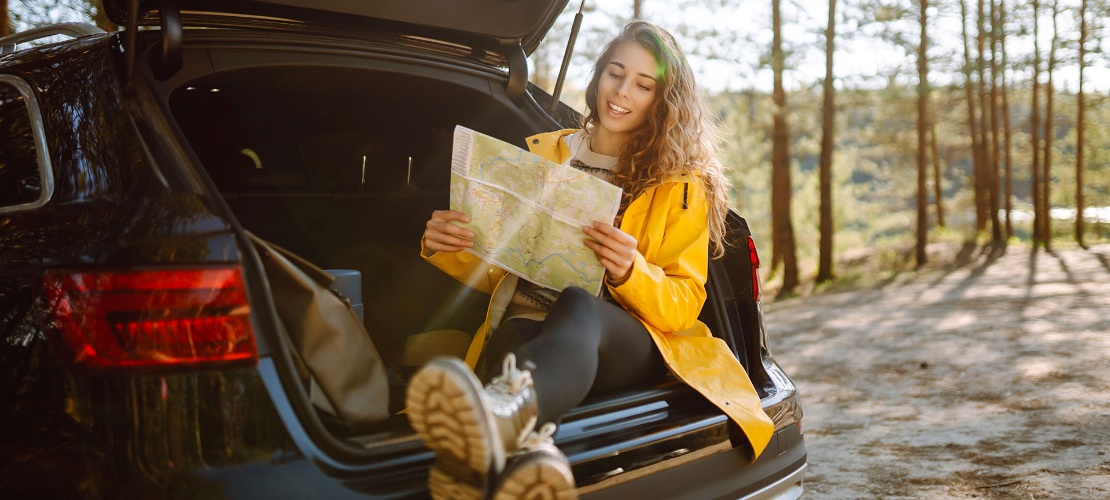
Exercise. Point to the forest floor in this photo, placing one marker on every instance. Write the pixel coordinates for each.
(986, 377)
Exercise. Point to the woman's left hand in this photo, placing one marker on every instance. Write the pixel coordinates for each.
(615, 249)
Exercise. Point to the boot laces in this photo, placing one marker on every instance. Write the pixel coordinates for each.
(511, 380)
(544, 435)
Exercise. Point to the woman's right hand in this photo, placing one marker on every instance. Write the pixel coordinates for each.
(441, 235)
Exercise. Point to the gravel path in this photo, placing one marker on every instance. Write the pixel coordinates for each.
(988, 380)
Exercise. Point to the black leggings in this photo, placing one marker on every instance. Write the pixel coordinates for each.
(585, 345)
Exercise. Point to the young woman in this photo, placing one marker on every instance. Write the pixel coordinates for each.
(647, 131)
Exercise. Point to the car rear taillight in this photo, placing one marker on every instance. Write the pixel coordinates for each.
(753, 256)
(148, 320)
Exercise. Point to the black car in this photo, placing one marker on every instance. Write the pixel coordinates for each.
(141, 351)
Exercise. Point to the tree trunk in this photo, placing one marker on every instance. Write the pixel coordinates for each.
(637, 9)
(988, 147)
(101, 17)
(1049, 132)
(1035, 129)
(5, 19)
(938, 189)
(922, 130)
(828, 128)
(1080, 125)
(780, 165)
(995, 196)
(973, 125)
(1006, 131)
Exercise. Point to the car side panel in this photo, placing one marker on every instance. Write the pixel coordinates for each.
(116, 436)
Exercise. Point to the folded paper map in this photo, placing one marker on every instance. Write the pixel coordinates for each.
(527, 213)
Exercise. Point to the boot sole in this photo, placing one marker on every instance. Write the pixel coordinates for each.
(542, 476)
(445, 409)
(444, 485)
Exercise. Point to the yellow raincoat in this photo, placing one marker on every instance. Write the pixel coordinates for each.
(665, 291)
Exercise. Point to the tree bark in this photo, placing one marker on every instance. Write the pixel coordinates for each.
(828, 129)
(938, 189)
(922, 130)
(1006, 130)
(101, 17)
(781, 188)
(1080, 126)
(5, 19)
(637, 8)
(995, 196)
(1035, 129)
(988, 147)
(973, 125)
(1049, 133)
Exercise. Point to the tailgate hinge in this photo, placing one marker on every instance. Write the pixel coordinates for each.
(169, 14)
(518, 70)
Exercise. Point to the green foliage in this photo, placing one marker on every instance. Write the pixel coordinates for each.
(874, 169)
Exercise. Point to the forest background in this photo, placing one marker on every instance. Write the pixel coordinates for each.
(866, 137)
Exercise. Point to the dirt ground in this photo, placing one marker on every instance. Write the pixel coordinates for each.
(987, 379)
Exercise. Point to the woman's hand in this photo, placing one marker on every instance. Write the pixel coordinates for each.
(615, 249)
(441, 235)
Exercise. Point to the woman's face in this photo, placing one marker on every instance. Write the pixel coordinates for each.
(626, 89)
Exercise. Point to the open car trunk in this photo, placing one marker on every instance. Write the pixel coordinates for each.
(343, 168)
(342, 164)
(340, 155)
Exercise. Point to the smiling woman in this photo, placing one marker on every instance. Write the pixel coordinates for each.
(646, 132)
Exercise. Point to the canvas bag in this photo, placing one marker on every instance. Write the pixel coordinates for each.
(334, 354)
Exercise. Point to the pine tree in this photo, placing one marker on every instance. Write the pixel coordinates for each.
(783, 251)
(828, 130)
(922, 131)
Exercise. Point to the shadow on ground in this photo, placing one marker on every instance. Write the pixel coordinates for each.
(986, 378)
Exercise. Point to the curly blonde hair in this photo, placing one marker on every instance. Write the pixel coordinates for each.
(679, 136)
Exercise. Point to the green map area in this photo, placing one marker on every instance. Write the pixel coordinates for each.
(527, 213)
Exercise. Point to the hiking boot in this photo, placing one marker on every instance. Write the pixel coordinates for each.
(511, 398)
(537, 470)
(469, 428)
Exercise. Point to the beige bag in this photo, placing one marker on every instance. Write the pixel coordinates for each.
(334, 354)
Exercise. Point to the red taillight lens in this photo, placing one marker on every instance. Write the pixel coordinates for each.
(149, 320)
(753, 256)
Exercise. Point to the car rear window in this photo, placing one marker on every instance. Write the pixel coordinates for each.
(24, 180)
